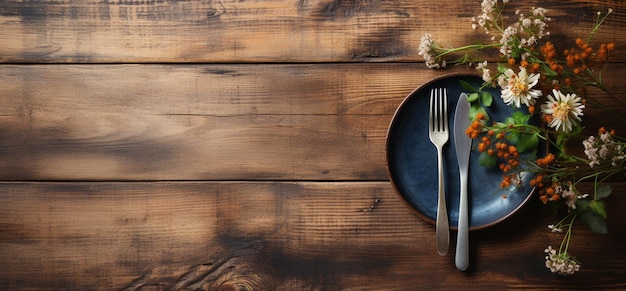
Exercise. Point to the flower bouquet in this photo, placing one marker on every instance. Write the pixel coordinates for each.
(550, 86)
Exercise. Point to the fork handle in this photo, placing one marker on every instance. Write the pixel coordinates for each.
(442, 225)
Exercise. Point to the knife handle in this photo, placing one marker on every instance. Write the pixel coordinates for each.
(461, 259)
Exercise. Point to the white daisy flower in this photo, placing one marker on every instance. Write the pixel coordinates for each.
(562, 110)
(518, 88)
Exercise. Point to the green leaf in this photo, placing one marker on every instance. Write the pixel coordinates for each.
(590, 217)
(467, 86)
(475, 109)
(527, 142)
(603, 191)
(513, 137)
(594, 221)
(598, 208)
(486, 98)
(501, 68)
(520, 118)
(486, 160)
(472, 97)
(582, 204)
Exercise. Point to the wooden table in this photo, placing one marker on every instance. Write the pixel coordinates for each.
(240, 145)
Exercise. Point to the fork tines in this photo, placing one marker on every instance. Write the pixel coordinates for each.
(438, 107)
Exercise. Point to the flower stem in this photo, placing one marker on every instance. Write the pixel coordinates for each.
(568, 234)
(468, 48)
(599, 22)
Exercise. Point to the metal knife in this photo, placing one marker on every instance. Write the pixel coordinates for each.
(463, 145)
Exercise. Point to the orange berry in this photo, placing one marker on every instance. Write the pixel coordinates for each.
(568, 81)
(535, 67)
(579, 41)
(610, 46)
(554, 67)
(548, 118)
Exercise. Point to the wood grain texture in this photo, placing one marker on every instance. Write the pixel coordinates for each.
(270, 236)
(209, 122)
(240, 145)
(261, 31)
(197, 122)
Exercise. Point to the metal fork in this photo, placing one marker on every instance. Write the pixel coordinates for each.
(438, 133)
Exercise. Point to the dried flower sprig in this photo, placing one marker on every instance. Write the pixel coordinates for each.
(549, 87)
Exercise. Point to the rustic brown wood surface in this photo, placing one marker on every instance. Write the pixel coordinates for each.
(265, 236)
(240, 145)
(258, 31)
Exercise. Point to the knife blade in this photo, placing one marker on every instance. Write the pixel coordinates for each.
(463, 145)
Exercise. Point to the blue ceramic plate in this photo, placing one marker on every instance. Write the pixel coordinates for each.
(412, 161)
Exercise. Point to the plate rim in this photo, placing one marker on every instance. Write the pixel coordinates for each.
(387, 152)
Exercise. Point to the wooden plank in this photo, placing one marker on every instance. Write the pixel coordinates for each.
(261, 31)
(208, 122)
(270, 236)
(203, 148)
(126, 122)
